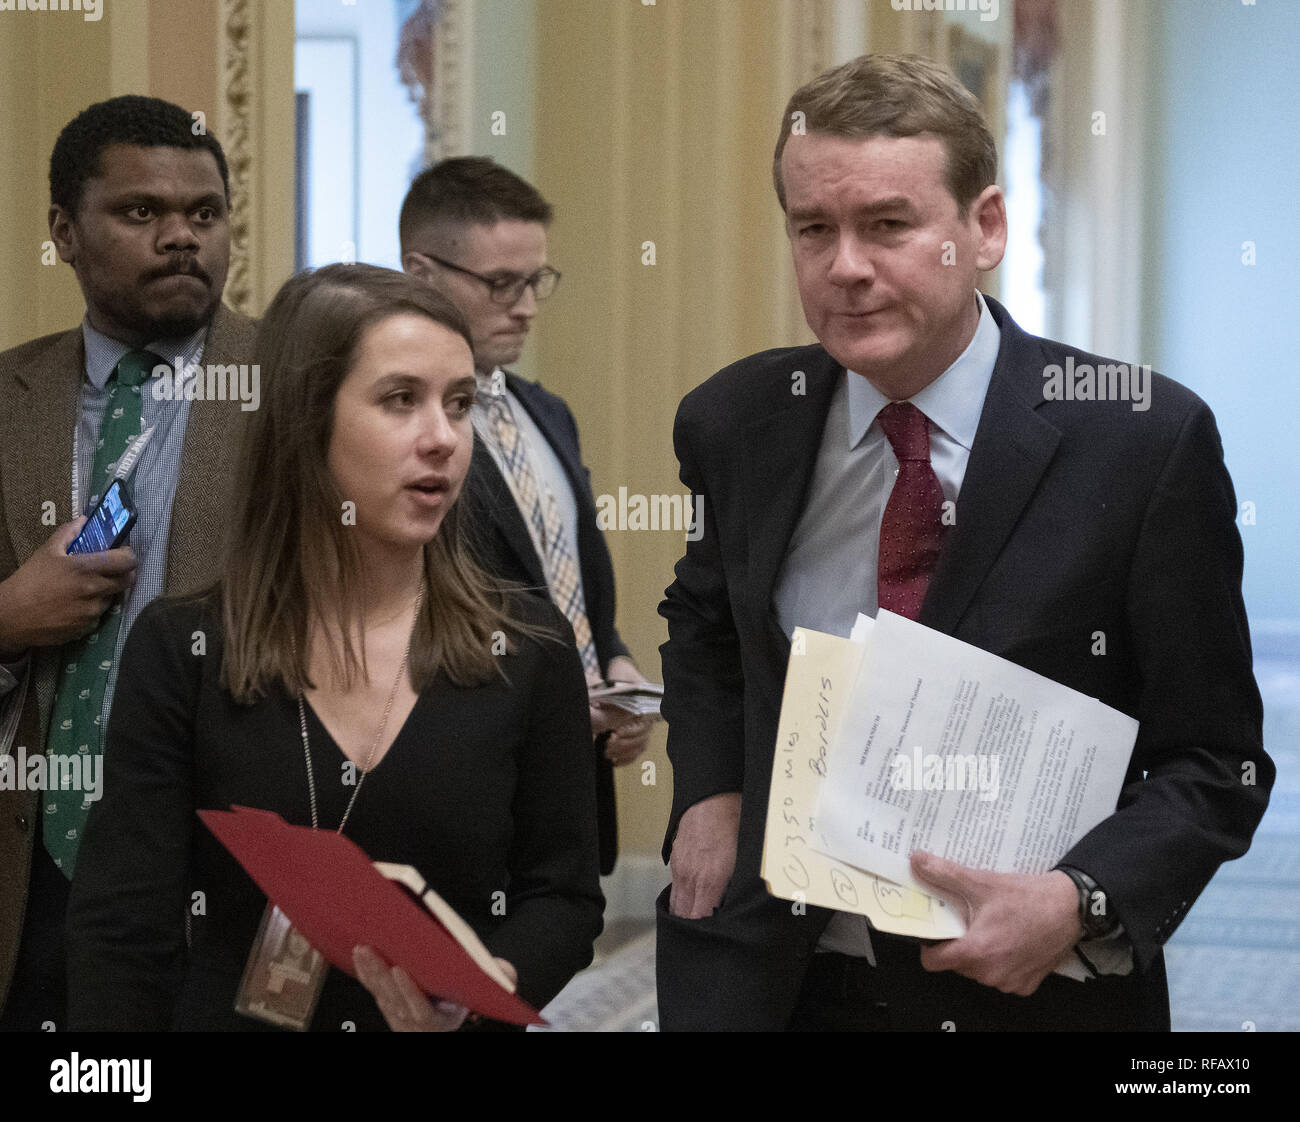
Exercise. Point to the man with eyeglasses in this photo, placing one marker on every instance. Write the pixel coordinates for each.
(477, 232)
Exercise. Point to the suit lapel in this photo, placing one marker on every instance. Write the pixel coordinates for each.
(1013, 446)
(779, 455)
(213, 434)
(37, 446)
(495, 500)
(565, 451)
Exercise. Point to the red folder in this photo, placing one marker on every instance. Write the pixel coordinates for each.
(332, 893)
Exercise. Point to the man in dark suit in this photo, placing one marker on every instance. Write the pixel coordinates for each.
(478, 232)
(139, 208)
(1094, 542)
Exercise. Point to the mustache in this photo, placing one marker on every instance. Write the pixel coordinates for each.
(181, 265)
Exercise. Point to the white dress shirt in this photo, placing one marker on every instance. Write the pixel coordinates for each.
(830, 570)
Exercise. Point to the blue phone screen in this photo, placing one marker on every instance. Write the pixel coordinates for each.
(105, 524)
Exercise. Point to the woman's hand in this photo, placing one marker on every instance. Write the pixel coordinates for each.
(399, 999)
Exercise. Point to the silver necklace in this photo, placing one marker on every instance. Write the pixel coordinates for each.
(379, 733)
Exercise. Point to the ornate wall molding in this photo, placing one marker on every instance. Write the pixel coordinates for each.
(237, 64)
(435, 59)
(448, 133)
(815, 43)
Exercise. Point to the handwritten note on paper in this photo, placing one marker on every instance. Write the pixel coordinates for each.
(819, 680)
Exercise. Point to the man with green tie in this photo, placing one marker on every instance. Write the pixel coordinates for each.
(139, 207)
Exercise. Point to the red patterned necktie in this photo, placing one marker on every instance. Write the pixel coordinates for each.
(912, 532)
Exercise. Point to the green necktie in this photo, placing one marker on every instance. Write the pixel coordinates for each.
(76, 738)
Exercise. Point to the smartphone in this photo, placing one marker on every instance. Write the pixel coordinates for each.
(109, 522)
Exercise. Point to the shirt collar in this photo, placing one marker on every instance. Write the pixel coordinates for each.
(486, 382)
(953, 401)
(104, 353)
(480, 414)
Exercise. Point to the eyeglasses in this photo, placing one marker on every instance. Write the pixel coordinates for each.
(508, 289)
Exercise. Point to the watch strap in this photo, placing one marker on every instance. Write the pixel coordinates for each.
(1095, 925)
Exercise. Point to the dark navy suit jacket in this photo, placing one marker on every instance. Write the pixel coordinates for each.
(505, 548)
(1074, 517)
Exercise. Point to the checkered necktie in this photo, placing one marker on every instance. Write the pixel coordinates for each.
(543, 516)
(912, 531)
(76, 737)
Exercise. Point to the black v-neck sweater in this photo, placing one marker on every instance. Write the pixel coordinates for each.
(489, 792)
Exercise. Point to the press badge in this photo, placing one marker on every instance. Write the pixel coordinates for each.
(283, 976)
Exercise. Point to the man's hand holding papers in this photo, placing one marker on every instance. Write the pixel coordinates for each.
(902, 743)
(1019, 927)
(625, 712)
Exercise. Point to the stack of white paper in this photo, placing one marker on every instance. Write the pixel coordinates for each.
(903, 739)
(639, 698)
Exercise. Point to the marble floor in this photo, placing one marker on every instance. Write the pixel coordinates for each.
(1234, 963)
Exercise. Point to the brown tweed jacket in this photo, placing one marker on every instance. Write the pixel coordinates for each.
(39, 389)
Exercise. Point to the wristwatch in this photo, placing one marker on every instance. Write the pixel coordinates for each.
(1095, 915)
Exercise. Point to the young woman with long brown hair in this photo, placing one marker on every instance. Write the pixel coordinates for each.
(353, 668)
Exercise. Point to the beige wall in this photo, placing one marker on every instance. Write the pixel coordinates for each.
(54, 64)
(656, 124)
(647, 123)
(39, 52)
